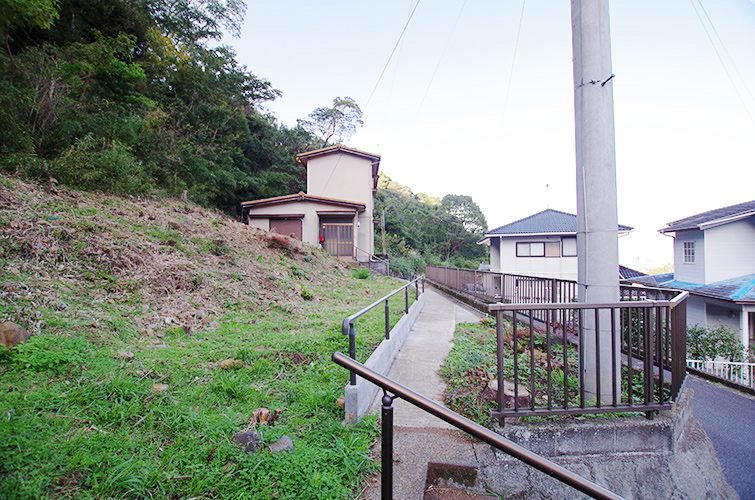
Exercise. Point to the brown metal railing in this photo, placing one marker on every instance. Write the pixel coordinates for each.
(647, 361)
(393, 390)
(493, 287)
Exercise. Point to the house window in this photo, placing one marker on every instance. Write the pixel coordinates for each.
(569, 247)
(689, 252)
(538, 249)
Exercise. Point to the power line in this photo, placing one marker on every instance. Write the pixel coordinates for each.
(511, 71)
(718, 54)
(391, 56)
(448, 42)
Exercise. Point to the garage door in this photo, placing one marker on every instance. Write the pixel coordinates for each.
(289, 227)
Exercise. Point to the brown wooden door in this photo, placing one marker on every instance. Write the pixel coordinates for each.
(338, 238)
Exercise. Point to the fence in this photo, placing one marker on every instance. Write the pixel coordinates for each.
(499, 442)
(493, 287)
(541, 372)
(738, 373)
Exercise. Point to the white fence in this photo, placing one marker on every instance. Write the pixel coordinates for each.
(739, 373)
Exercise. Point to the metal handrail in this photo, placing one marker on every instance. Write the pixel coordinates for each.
(348, 328)
(496, 440)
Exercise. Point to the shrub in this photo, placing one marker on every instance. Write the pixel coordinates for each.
(361, 273)
(713, 343)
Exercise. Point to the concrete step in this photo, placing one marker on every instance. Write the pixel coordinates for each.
(454, 482)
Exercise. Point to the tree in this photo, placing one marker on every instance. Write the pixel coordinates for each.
(17, 13)
(466, 211)
(340, 121)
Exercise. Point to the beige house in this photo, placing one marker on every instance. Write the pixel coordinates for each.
(337, 210)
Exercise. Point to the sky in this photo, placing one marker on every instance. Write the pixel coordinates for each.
(477, 99)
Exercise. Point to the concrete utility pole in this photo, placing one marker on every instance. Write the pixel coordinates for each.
(597, 223)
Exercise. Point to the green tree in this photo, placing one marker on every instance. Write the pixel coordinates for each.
(16, 14)
(340, 121)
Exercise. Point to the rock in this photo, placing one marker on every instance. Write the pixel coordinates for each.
(249, 441)
(491, 394)
(283, 444)
(125, 355)
(341, 402)
(12, 334)
(230, 363)
(160, 387)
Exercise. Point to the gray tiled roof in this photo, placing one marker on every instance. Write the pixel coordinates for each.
(547, 221)
(695, 221)
(740, 289)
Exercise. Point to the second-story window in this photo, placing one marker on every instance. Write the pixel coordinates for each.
(689, 252)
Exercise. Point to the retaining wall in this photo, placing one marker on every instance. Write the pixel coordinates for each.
(359, 397)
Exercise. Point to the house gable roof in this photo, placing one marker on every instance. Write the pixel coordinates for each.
(301, 196)
(712, 218)
(546, 222)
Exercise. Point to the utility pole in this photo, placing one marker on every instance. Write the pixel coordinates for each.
(382, 224)
(597, 222)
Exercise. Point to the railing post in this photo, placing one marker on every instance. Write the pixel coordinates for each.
(387, 320)
(386, 470)
(406, 300)
(352, 350)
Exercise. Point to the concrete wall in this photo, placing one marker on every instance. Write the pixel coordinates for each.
(730, 250)
(689, 273)
(359, 397)
(668, 457)
(346, 177)
(542, 267)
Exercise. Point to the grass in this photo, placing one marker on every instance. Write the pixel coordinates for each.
(472, 363)
(119, 393)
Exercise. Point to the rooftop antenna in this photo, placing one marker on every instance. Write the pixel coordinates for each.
(547, 196)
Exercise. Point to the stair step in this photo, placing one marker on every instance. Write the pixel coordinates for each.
(453, 482)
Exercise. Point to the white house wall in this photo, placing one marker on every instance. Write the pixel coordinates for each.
(346, 177)
(310, 222)
(731, 250)
(495, 255)
(689, 273)
(696, 311)
(541, 267)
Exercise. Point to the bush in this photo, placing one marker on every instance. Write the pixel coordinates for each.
(361, 273)
(713, 343)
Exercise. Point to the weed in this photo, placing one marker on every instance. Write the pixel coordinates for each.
(306, 294)
(361, 273)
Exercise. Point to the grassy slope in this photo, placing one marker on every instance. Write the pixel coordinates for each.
(99, 278)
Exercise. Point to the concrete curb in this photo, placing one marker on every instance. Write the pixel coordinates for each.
(359, 397)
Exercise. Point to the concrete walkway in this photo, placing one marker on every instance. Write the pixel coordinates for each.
(419, 437)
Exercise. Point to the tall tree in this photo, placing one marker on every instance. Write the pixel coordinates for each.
(339, 121)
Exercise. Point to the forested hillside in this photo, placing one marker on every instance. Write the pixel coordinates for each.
(134, 96)
(421, 229)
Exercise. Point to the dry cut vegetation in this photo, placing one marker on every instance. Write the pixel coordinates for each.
(160, 330)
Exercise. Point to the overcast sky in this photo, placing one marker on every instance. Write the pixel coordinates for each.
(462, 108)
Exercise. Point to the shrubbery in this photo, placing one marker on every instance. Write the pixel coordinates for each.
(714, 343)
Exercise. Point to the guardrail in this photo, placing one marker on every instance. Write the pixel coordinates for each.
(493, 287)
(738, 373)
(397, 390)
(348, 326)
(553, 379)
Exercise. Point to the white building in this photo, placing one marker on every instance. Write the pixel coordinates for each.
(543, 245)
(714, 260)
(337, 209)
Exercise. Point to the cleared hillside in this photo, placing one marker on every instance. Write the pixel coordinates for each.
(133, 305)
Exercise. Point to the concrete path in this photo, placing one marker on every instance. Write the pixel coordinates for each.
(728, 418)
(419, 437)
